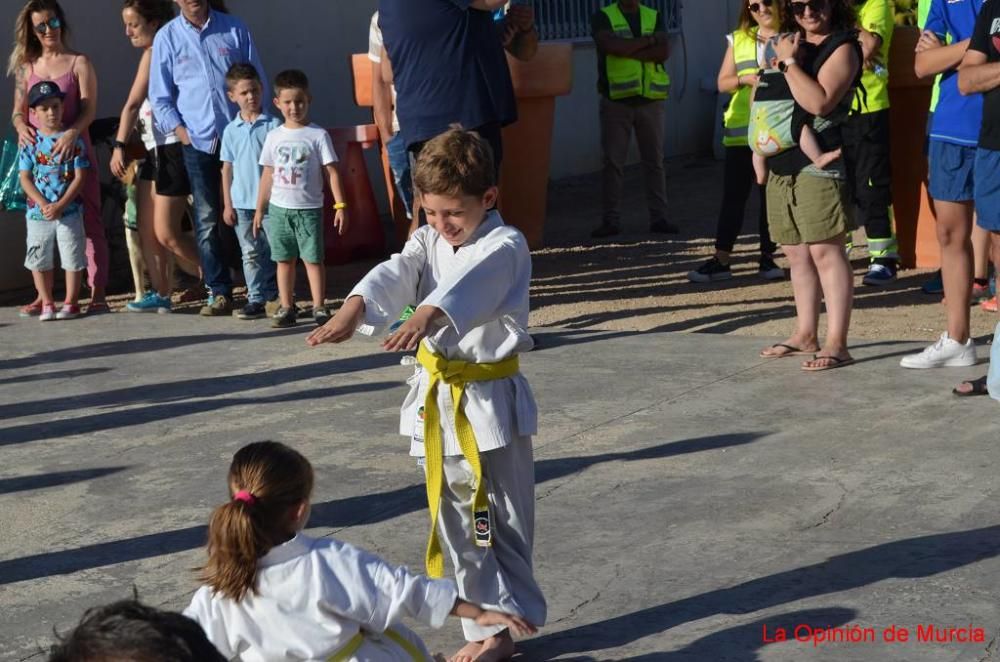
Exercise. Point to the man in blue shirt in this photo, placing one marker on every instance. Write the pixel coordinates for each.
(187, 89)
(448, 66)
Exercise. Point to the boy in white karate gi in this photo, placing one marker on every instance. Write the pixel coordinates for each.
(470, 273)
(272, 593)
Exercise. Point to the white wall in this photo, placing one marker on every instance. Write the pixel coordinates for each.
(691, 112)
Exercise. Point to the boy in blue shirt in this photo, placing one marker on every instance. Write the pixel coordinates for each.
(953, 135)
(55, 215)
(242, 142)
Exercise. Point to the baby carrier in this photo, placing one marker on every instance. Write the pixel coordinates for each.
(776, 120)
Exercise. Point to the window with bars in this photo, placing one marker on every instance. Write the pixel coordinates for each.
(570, 19)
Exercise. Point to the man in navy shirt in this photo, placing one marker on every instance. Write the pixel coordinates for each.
(448, 67)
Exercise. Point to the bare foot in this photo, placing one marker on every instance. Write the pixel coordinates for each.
(791, 347)
(827, 361)
(467, 653)
(496, 648)
(826, 158)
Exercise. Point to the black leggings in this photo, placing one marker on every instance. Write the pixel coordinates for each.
(737, 182)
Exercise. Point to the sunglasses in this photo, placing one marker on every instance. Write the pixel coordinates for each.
(52, 24)
(816, 6)
(755, 6)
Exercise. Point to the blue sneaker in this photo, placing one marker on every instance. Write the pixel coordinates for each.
(879, 274)
(935, 285)
(151, 303)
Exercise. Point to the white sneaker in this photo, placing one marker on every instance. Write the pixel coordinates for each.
(945, 353)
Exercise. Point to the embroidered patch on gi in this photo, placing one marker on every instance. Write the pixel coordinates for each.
(484, 535)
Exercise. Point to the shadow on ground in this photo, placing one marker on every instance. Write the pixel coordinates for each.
(351, 511)
(923, 556)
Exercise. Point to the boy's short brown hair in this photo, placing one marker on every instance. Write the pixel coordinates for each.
(291, 79)
(241, 71)
(455, 163)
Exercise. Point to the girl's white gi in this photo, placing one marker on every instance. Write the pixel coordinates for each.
(314, 596)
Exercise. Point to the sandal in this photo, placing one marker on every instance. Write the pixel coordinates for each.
(978, 388)
(990, 305)
(33, 309)
(98, 308)
(792, 351)
(837, 363)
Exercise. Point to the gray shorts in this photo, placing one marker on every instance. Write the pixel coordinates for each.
(67, 233)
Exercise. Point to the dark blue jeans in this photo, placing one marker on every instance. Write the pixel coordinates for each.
(399, 163)
(205, 172)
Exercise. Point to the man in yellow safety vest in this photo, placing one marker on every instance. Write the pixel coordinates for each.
(631, 49)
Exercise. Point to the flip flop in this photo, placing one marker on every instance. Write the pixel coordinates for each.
(837, 363)
(792, 351)
(978, 388)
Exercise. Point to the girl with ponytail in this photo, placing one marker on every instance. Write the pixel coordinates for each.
(273, 593)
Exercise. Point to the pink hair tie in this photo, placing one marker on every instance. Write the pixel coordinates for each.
(245, 497)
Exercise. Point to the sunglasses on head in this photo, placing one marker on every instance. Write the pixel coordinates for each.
(756, 6)
(52, 24)
(799, 8)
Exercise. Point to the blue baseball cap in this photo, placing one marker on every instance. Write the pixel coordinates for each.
(43, 91)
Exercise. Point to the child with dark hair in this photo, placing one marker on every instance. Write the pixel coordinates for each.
(129, 631)
(295, 157)
(273, 593)
(470, 412)
(242, 143)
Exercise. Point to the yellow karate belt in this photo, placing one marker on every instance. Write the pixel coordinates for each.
(456, 374)
(354, 644)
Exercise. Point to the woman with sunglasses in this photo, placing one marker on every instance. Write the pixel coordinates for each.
(759, 22)
(808, 208)
(41, 53)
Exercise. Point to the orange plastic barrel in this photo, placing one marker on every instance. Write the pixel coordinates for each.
(527, 144)
(910, 102)
(364, 237)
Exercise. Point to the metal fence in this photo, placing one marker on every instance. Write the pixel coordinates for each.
(570, 19)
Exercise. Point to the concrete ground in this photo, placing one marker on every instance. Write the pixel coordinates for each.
(691, 497)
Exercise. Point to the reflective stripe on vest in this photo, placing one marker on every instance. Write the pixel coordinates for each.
(737, 117)
(628, 77)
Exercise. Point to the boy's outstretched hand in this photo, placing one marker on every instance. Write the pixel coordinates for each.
(412, 331)
(342, 325)
(515, 624)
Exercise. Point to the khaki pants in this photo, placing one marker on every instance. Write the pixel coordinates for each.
(617, 122)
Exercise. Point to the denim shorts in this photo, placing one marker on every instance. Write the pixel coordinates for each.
(951, 171)
(295, 233)
(987, 189)
(45, 236)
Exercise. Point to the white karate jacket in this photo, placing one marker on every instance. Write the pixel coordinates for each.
(314, 596)
(483, 290)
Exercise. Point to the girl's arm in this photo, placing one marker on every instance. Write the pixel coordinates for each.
(821, 95)
(130, 112)
(19, 116)
(728, 81)
(87, 79)
(486, 618)
(340, 218)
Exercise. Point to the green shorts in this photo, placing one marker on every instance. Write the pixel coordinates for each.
(295, 233)
(805, 209)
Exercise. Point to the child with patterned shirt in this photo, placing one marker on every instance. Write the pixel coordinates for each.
(52, 186)
(294, 157)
